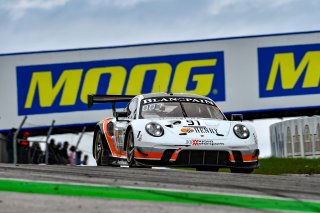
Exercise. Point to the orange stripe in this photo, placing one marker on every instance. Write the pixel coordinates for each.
(114, 151)
(175, 155)
(231, 158)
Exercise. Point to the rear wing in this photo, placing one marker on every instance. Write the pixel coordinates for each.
(108, 99)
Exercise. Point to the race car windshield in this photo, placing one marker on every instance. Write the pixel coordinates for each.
(180, 109)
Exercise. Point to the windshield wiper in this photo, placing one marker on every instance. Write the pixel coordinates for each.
(183, 110)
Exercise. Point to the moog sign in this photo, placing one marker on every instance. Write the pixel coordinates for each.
(65, 87)
(289, 70)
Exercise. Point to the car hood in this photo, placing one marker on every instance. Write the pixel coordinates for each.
(194, 127)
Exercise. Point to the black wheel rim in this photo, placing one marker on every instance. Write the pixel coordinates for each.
(98, 147)
(130, 149)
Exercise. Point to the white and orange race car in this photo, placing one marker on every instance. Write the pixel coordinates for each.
(181, 130)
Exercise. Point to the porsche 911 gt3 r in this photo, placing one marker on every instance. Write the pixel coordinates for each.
(181, 130)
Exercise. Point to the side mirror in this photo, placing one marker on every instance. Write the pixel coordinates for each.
(237, 117)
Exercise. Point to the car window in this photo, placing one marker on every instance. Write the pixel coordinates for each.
(202, 111)
(132, 108)
(176, 109)
(156, 110)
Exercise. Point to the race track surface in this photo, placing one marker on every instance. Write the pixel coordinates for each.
(297, 188)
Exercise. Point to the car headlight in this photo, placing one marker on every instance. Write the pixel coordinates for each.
(154, 129)
(241, 131)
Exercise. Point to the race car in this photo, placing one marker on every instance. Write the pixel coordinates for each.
(173, 130)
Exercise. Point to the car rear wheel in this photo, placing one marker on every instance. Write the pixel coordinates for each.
(101, 154)
(208, 168)
(130, 149)
(98, 149)
(241, 170)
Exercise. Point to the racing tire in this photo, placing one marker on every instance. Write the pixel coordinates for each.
(241, 170)
(101, 156)
(130, 150)
(207, 168)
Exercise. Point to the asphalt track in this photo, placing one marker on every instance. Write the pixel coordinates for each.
(41, 188)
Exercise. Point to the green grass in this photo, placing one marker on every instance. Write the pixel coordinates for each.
(276, 166)
(156, 195)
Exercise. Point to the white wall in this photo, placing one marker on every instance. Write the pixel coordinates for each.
(304, 143)
(244, 66)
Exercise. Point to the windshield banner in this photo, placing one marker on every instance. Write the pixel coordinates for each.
(177, 99)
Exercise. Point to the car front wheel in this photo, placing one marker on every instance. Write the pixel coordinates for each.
(130, 149)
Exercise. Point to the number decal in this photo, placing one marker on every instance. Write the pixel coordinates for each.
(192, 123)
(152, 107)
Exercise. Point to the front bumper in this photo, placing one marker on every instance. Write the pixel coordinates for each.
(196, 158)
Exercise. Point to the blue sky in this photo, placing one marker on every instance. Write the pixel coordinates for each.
(32, 25)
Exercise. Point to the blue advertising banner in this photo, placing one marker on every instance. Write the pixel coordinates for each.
(53, 88)
(289, 70)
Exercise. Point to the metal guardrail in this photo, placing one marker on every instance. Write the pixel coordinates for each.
(18, 140)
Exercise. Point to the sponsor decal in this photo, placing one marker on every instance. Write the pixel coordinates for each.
(289, 70)
(203, 129)
(199, 129)
(139, 136)
(177, 99)
(187, 130)
(196, 142)
(64, 87)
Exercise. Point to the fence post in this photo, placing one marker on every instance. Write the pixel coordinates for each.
(83, 130)
(47, 146)
(15, 156)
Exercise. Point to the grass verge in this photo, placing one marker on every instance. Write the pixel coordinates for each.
(276, 166)
(158, 195)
